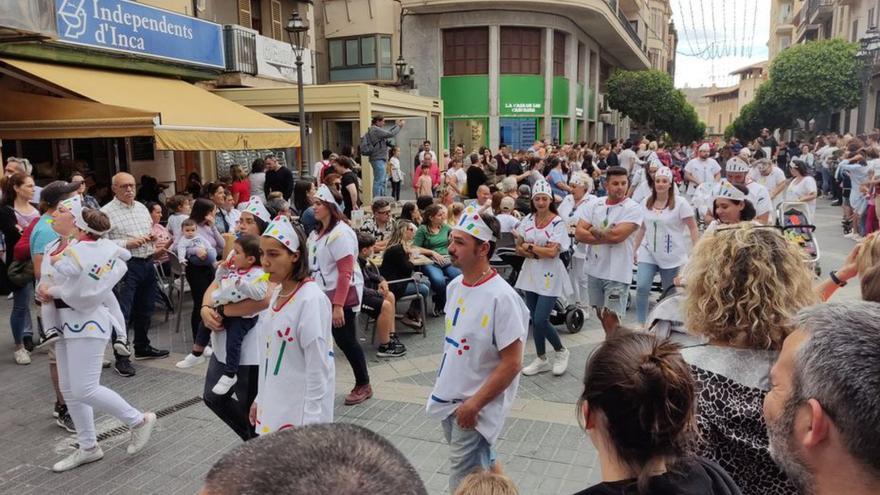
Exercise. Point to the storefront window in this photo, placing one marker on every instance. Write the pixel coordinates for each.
(468, 133)
(518, 134)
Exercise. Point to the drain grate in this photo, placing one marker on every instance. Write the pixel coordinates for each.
(161, 413)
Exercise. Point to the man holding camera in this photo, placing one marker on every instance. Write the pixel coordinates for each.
(377, 135)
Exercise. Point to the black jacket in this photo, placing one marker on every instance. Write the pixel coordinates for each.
(280, 180)
(694, 476)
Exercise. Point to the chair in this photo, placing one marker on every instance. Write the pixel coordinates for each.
(177, 283)
(417, 278)
(164, 283)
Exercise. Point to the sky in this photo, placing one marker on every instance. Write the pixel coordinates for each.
(716, 37)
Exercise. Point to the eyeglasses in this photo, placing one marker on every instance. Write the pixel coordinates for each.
(383, 212)
(125, 186)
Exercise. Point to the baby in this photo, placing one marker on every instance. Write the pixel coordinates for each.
(238, 279)
(84, 275)
(204, 253)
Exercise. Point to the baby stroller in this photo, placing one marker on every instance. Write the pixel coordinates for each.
(798, 228)
(666, 317)
(702, 203)
(566, 312)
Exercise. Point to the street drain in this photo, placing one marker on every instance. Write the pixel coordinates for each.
(161, 413)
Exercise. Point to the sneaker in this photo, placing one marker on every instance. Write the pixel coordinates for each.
(78, 458)
(140, 434)
(59, 409)
(391, 349)
(560, 362)
(190, 360)
(836, 203)
(28, 342)
(65, 421)
(149, 352)
(539, 365)
(22, 356)
(121, 348)
(224, 384)
(106, 364)
(208, 352)
(358, 395)
(49, 337)
(123, 367)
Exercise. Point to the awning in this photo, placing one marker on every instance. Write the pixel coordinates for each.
(184, 117)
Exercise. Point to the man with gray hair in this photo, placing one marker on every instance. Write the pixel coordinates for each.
(823, 409)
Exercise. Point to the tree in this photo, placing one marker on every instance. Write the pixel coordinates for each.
(650, 99)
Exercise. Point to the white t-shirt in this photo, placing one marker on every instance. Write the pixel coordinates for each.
(703, 170)
(396, 173)
(508, 222)
(770, 181)
(325, 250)
(460, 176)
(797, 190)
(572, 212)
(431, 154)
(627, 159)
(825, 153)
(641, 187)
(544, 276)
(665, 243)
(760, 198)
(297, 371)
(613, 261)
(481, 320)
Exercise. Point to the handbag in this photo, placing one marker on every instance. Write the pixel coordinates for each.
(20, 273)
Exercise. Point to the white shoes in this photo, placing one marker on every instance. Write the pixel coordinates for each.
(78, 458)
(22, 356)
(224, 384)
(560, 363)
(140, 434)
(539, 365)
(190, 360)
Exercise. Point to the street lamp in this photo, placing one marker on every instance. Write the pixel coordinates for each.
(296, 30)
(869, 51)
(404, 77)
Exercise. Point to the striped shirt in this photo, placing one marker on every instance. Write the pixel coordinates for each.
(129, 223)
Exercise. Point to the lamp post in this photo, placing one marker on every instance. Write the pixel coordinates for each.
(296, 31)
(869, 51)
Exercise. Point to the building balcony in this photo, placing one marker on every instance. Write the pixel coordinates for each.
(249, 53)
(601, 19)
(819, 11)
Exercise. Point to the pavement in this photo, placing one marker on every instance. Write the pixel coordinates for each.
(542, 448)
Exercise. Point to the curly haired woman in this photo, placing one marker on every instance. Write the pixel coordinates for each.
(743, 286)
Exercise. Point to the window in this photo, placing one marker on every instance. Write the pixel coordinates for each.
(871, 22)
(256, 16)
(363, 58)
(558, 53)
(855, 31)
(465, 51)
(582, 62)
(520, 50)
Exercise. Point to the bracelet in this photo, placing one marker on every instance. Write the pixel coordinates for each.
(837, 281)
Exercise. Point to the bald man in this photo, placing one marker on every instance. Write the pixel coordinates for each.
(130, 228)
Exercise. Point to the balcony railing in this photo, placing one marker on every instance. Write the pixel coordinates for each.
(241, 49)
(612, 4)
(815, 7)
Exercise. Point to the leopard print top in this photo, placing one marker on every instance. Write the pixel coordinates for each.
(733, 434)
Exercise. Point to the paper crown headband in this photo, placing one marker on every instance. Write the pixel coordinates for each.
(542, 187)
(282, 230)
(580, 179)
(472, 223)
(325, 195)
(74, 205)
(728, 191)
(255, 207)
(663, 172)
(737, 165)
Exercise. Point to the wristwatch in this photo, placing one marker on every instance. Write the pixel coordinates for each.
(837, 281)
(531, 250)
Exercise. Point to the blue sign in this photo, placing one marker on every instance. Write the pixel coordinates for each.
(130, 27)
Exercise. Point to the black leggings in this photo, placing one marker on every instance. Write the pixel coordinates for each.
(199, 279)
(233, 412)
(346, 339)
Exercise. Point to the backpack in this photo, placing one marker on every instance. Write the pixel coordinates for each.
(367, 146)
(21, 271)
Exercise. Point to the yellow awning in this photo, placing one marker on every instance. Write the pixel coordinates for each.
(188, 118)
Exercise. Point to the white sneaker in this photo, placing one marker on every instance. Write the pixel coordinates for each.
(224, 384)
(140, 434)
(560, 362)
(539, 365)
(208, 352)
(190, 360)
(78, 458)
(121, 348)
(22, 356)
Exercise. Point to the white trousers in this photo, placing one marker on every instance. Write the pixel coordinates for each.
(578, 276)
(79, 377)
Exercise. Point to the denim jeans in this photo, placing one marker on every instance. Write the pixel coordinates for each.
(20, 317)
(378, 177)
(827, 181)
(644, 279)
(137, 298)
(540, 308)
(439, 276)
(468, 451)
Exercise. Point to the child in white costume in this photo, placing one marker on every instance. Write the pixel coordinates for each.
(297, 370)
(78, 308)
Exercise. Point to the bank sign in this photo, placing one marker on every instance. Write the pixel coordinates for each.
(134, 28)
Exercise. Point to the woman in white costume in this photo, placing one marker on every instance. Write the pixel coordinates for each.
(731, 206)
(661, 238)
(541, 238)
(572, 208)
(79, 309)
(297, 371)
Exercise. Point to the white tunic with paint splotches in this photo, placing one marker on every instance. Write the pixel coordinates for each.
(544, 276)
(665, 242)
(236, 285)
(613, 261)
(297, 370)
(481, 321)
(572, 212)
(83, 278)
(326, 250)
